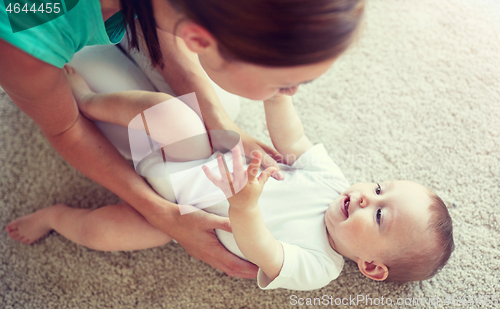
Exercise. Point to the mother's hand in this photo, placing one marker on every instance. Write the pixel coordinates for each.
(195, 232)
(252, 145)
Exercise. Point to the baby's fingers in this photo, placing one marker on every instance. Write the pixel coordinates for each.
(223, 170)
(266, 173)
(253, 167)
(238, 169)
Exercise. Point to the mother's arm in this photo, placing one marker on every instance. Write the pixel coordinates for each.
(184, 74)
(43, 93)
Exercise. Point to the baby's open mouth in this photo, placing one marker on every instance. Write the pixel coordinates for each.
(347, 201)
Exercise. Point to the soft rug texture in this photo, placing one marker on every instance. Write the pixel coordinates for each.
(418, 98)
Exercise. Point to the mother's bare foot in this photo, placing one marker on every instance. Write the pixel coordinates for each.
(81, 91)
(30, 228)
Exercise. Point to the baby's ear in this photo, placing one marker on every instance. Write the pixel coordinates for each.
(373, 270)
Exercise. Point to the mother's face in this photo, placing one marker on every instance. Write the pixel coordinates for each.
(260, 82)
(251, 81)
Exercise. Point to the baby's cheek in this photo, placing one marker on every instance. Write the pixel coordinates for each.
(358, 228)
(360, 235)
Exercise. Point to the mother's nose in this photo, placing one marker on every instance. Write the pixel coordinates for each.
(294, 90)
(289, 90)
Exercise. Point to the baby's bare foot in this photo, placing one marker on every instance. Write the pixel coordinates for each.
(80, 89)
(30, 228)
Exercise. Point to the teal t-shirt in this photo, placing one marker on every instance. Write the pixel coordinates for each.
(57, 40)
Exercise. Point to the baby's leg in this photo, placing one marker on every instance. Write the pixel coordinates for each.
(118, 107)
(174, 124)
(109, 228)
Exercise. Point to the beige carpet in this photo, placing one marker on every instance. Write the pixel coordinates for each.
(418, 98)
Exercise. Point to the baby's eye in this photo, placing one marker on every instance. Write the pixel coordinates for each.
(378, 190)
(379, 215)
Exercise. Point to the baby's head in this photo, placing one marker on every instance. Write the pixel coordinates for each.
(395, 231)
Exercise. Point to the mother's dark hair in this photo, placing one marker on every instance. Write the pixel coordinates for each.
(264, 32)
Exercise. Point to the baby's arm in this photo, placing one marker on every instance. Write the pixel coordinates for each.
(250, 233)
(285, 128)
(255, 241)
(252, 236)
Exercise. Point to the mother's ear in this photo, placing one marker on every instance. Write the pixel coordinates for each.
(373, 270)
(196, 38)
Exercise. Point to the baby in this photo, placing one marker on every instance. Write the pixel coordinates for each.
(297, 231)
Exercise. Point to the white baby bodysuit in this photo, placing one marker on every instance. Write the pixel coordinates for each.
(293, 211)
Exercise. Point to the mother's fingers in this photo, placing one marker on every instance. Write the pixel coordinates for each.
(268, 162)
(273, 154)
(230, 264)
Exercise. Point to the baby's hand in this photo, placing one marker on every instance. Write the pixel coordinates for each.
(242, 188)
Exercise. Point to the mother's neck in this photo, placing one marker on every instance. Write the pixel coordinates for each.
(109, 8)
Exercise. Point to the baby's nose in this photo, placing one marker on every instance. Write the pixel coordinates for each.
(363, 201)
(357, 198)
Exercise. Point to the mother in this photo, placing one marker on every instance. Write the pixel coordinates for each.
(252, 48)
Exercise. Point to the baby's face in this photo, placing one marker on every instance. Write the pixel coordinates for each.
(370, 221)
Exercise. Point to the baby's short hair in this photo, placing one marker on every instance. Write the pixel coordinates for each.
(417, 264)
